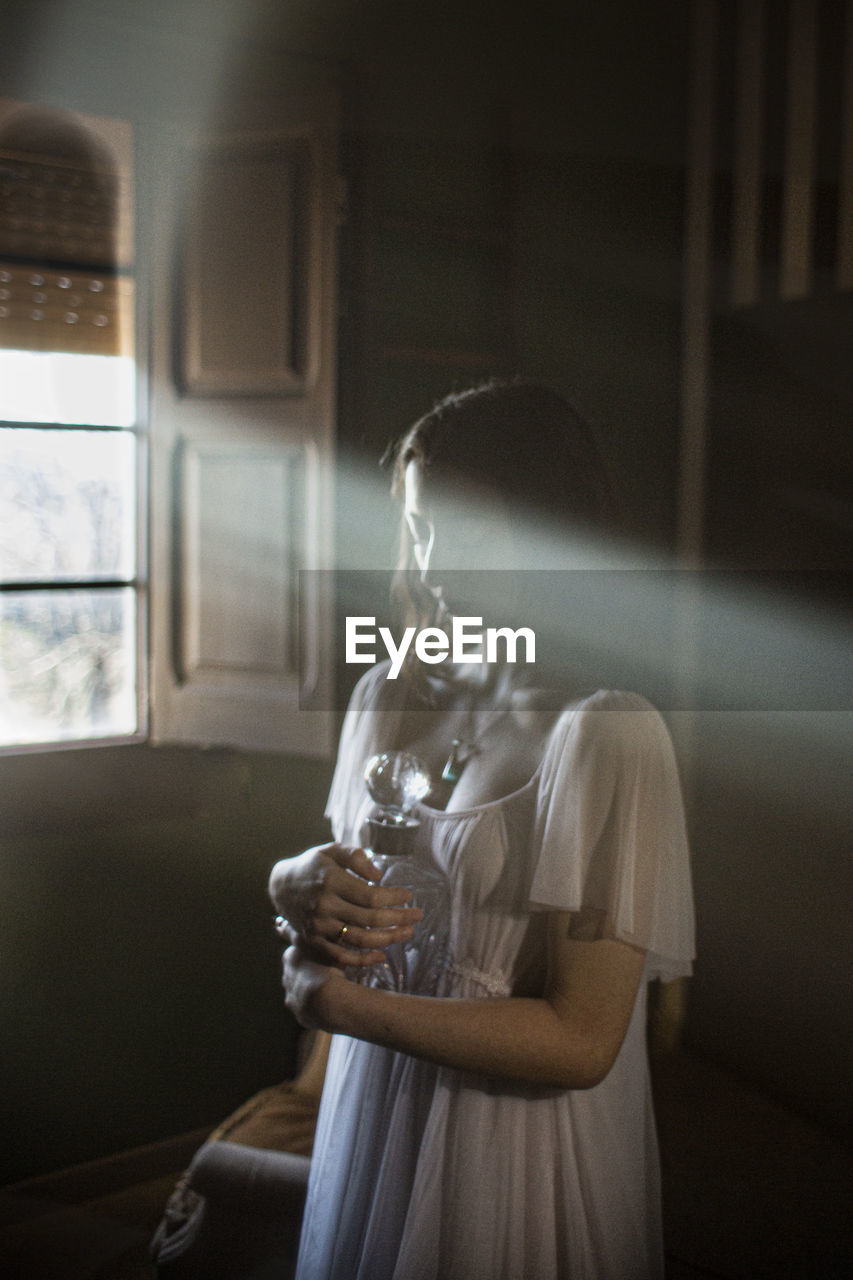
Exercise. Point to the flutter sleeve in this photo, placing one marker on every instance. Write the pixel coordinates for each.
(610, 832)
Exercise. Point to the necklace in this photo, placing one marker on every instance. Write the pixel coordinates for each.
(464, 748)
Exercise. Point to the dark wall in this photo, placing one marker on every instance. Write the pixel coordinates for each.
(139, 982)
(516, 183)
(770, 820)
(772, 811)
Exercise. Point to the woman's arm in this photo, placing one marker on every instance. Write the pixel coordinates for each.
(567, 1039)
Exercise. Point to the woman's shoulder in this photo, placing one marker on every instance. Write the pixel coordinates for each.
(615, 721)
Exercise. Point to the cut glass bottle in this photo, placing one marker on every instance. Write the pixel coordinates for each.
(397, 781)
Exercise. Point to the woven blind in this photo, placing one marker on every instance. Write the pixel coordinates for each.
(61, 288)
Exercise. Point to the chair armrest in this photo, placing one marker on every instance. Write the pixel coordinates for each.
(248, 1178)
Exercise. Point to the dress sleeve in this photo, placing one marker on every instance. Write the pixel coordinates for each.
(610, 832)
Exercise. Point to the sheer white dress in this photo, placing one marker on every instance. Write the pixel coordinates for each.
(428, 1173)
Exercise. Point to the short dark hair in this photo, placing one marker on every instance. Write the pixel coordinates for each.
(526, 440)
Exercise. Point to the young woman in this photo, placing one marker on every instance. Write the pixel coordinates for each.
(504, 1128)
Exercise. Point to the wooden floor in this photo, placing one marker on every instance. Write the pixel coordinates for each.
(751, 1192)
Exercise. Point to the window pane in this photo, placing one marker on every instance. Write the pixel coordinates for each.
(67, 504)
(67, 665)
(61, 386)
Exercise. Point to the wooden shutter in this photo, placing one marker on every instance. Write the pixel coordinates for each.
(242, 410)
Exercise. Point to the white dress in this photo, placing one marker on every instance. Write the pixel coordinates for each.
(429, 1173)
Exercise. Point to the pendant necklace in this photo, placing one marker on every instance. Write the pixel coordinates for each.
(463, 749)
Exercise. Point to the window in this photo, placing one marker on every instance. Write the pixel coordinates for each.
(236, 235)
(71, 595)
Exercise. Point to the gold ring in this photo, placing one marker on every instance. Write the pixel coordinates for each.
(342, 934)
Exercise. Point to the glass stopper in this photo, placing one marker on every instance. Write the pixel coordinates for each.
(397, 780)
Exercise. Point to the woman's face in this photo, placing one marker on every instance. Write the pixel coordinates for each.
(455, 529)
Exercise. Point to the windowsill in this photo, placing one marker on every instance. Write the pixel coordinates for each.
(71, 744)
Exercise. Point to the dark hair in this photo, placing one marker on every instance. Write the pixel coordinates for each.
(525, 440)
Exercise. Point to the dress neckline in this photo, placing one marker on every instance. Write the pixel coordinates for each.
(531, 782)
(485, 804)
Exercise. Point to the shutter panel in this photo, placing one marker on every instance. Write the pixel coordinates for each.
(242, 410)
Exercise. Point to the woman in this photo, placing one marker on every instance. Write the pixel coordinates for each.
(503, 1129)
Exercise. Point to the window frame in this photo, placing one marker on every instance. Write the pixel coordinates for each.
(138, 430)
(138, 583)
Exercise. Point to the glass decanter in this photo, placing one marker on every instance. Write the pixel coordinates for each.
(396, 781)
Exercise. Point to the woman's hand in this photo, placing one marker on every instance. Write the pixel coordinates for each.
(302, 979)
(337, 911)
